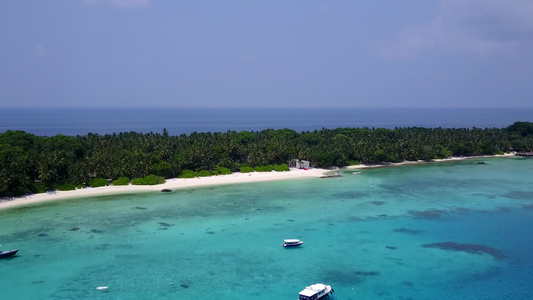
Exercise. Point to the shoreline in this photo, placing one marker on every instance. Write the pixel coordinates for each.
(421, 162)
(171, 184)
(235, 178)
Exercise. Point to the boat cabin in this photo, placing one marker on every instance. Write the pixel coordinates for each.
(314, 292)
(292, 243)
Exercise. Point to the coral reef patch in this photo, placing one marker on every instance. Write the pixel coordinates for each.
(528, 206)
(427, 214)
(408, 231)
(165, 224)
(348, 276)
(139, 208)
(469, 248)
(519, 195)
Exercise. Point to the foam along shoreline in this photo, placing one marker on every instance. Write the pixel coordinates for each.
(417, 162)
(171, 184)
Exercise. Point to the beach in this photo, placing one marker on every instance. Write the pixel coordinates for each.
(171, 184)
(182, 183)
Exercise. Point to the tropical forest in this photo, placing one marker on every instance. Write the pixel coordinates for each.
(36, 164)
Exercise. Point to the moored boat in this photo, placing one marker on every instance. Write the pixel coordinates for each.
(315, 291)
(292, 243)
(8, 253)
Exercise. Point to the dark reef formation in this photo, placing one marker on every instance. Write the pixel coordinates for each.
(347, 276)
(528, 206)
(469, 248)
(408, 231)
(427, 214)
(519, 195)
(367, 273)
(165, 224)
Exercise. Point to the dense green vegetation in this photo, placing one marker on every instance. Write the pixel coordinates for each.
(30, 163)
(148, 180)
(121, 181)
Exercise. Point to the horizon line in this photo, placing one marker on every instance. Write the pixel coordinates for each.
(269, 107)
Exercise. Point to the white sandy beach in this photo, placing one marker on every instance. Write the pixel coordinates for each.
(180, 183)
(406, 163)
(175, 183)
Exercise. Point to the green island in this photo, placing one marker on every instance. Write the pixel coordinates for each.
(36, 164)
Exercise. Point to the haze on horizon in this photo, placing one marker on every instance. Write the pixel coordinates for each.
(166, 53)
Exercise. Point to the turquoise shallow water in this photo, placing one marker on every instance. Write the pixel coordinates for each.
(225, 242)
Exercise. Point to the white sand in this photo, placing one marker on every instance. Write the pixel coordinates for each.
(179, 183)
(175, 183)
(405, 163)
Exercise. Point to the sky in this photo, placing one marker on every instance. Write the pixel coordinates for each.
(251, 53)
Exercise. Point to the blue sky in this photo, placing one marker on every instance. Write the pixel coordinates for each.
(247, 53)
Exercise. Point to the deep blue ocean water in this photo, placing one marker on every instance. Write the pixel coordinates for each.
(80, 121)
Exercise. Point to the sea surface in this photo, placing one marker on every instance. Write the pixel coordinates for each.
(450, 230)
(81, 121)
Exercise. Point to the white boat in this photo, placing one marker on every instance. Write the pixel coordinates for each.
(292, 243)
(356, 173)
(337, 172)
(315, 291)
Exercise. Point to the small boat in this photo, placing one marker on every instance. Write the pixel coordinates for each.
(337, 172)
(292, 243)
(315, 291)
(356, 173)
(8, 253)
(102, 288)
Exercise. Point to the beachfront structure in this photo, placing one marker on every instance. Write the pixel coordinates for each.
(525, 154)
(299, 164)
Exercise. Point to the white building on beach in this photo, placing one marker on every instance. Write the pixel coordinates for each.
(299, 164)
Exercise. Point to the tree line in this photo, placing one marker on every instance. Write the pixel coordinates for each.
(30, 163)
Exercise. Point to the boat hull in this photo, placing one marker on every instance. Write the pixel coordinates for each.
(8, 253)
(292, 245)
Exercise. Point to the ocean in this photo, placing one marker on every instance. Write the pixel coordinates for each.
(448, 230)
(81, 121)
